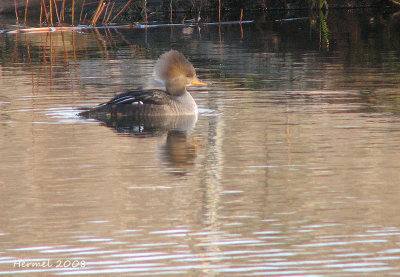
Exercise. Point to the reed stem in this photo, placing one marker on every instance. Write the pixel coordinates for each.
(73, 13)
(145, 11)
(98, 12)
(41, 15)
(105, 12)
(170, 11)
(219, 10)
(82, 7)
(122, 10)
(63, 11)
(109, 14)
(26, 11)
(16, 11)
(45, 11)
(57, 14)
(51, 11)
(103, 6)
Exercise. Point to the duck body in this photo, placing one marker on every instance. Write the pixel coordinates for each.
(144, 103)
(176, 73)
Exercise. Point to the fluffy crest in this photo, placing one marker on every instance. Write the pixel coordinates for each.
(173, 64)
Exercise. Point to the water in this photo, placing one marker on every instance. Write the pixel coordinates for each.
(291, 169)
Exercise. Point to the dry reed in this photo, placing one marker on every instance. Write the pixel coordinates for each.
(145, 11)
(99, 11)
(16, 11)
(219, 10)
(45, 11)
(109, 14)
(26, 11)
(104, 13)
(63, 11)
(121, 11)
(170, 11)
(51, 11)
(41, 15)
(82, 8)
(73, 13)
(57, 14)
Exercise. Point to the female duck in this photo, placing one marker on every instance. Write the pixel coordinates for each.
(176, 73)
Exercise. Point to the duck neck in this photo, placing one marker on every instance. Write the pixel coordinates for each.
(175, 89)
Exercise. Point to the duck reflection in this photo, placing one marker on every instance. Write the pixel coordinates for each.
(179, 151)
(138, 126)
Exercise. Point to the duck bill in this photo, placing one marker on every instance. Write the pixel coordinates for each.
(197, 82)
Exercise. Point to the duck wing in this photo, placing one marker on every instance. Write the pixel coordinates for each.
(133, 103)
(154, 97)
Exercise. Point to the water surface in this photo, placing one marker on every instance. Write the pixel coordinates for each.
(291, 168)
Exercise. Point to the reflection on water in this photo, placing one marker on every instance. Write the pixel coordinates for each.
(291, 168)
(149, 126)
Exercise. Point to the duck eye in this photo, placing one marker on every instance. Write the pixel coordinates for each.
(189, 75)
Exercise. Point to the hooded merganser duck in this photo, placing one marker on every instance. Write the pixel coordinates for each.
(176, 73)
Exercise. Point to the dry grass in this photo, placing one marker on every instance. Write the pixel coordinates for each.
(52, 12)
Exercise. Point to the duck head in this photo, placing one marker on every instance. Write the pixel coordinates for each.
(176, 73)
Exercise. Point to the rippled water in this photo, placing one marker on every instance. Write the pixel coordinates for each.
(291, 169)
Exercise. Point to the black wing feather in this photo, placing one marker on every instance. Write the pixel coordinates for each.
(155, 97)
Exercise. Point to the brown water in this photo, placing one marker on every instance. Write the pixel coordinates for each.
(292, 168)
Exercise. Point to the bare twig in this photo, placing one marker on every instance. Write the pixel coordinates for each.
(98, 12)
(26, 11)
(105, 12)
(82, 7)
(122, 10)
(219, 10)
(51, 11)
(145, 10)
(103, 6)
(73, 13)
(109, 14)
(41, 15)
(16, 11)
(170, 11)
(63, 11)
(45, 11)
(57, 14)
